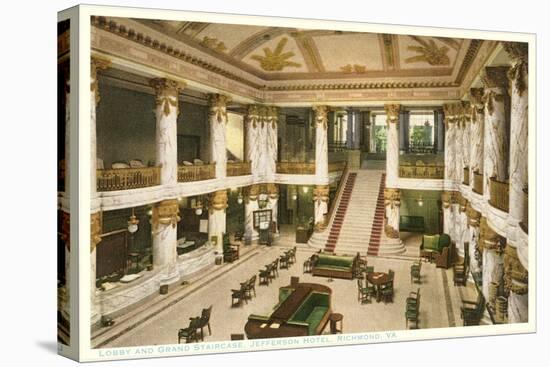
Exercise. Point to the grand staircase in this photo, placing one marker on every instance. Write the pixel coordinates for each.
(356, 225)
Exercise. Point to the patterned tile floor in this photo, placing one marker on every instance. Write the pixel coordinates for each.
(440, 300)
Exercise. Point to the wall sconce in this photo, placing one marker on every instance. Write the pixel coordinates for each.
(133, 223)
(240, 198)
(419, 201)
(305, 189)
(198, 206)
(294, 196)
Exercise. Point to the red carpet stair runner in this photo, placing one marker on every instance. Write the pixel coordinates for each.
(340, 213)
(378, 222)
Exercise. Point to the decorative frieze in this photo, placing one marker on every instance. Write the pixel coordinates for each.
(166, 213)
(96, 228)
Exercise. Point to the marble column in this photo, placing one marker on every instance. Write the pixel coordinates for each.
(273, 203)
(64, 293)
(473, 218)
(321, 143)
(358, 130)
(459, 132)
(166, 112)
(263, 149)
(496, 125)
(466, 136)
(271, 147)
(320, 200)
(392, 145)
(164, 228)
(95, 65)
(252, 149)
(217, 116)
(251, 205)
(516, 280)
(349, 130)
(518, 133)
(477, 132)
(446, 203)
(96, 224)
(451, 117)
(493, 260)
(392, 203)
(217, 205)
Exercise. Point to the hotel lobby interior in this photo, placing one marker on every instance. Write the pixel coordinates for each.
(259, 182)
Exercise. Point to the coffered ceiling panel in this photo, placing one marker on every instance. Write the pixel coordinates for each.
(350, 53)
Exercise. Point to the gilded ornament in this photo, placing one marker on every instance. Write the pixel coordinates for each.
(276, 60)
(252, 192)
(218, 107)
(96, 224)
(166, 91)
(166, 213)
(473, 215)
(392, 113)
(355, 68)
(214, 44)
(272, 190)
(272, 116)
(516, 277)
(218, 200)
(253, 115)
(392, 197)
(488, 238)
(428, 52)
(518, 51)
(321, 116)
(477, 103)
(321, 193)
(97, 64)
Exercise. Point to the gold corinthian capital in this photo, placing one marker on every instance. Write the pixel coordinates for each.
(166, 91)
(392, 113)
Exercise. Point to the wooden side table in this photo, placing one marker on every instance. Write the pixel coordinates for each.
(334, 319)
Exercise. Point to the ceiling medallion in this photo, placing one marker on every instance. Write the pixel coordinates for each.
(428, 52)
(276, 60)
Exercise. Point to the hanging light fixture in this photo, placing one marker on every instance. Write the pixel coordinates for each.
(305, 189)
(133, 223)
(240, 198)
(198, 207)
(420, 201)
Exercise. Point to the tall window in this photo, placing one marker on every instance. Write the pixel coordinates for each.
(421, 132)
(380, 133)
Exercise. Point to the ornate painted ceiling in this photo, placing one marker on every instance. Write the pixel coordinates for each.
(294, 65)
(275, 53)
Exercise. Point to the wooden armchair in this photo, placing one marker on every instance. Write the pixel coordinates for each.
(190, 333)
(472, 312)
(238, 296)
(412, 310)
(415, 272)
(284, 261)
(460, 271)
(265, 275)
(249, 287)
(204, 321)
(275, 268)
(446, 258)
(362, 292)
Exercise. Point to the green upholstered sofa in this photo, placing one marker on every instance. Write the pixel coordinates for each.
(314, 313)
(334, 266)
(411, 223)
(433, 245)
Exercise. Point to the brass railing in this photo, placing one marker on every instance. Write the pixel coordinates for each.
(499, 194)
(478, 183)
(239, 169)
(466, 180)
(127, 178)
(196, 173)
(336, 166)
(421, 170)
(525, 221)
(296, 168)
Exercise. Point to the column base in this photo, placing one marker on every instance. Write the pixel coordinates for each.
(391, 246)
(169, 276)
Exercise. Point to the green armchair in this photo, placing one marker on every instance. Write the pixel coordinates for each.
(433, 245)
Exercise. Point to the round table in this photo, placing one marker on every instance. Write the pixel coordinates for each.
(334, 319)
(377, 279)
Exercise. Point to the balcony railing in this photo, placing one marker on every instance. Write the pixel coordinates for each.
(421, 170)
(499, 194)
(296, 168)
(525, 221)
(238, 169)
(478, 183)
(336, 166)
(466, 180)
(127, 178)
(196, 173)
